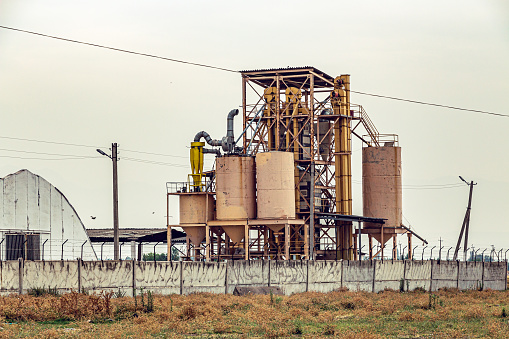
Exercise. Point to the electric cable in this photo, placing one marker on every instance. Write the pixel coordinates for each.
(25, 158)
(234, 71)
(151, 153)
(432, 104)
(154, 162)
(48, 142)
(119, 49)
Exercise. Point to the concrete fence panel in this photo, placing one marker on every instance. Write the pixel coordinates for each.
(203, 277)
(247, 273)
(9, 277)
(444, 274)
(157, 277)
(324, 276)
(495, 275)
(62, 275)
(417, 275)
(109, 275)
(389, 275)
(289, 276)
(470, 275)
(358, 275)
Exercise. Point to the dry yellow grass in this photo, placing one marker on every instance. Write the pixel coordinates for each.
(341, 314)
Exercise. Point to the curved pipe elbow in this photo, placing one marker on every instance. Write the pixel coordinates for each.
(229, 124)
(207, 138)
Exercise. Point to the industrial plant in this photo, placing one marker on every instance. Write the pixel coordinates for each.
(282, 187)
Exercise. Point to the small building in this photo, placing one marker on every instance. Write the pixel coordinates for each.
(37, 222)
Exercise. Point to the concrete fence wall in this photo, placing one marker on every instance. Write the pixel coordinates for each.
(290, 276)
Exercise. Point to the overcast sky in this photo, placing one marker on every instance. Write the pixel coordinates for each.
(448, 52)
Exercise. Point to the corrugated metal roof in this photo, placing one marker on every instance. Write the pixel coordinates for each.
(296, 77)
(133, 234)
(279, 69)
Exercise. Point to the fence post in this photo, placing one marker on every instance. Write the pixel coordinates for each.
(505, 273)
(307, 275)
(79, 276)
(181, 278)
(268, 283)
(226, 276)
(404, 274)
(374, 274)
(20, 275)
(133, 262)
(482, 282)
(458, 279)
(431, 276)
(341, 263)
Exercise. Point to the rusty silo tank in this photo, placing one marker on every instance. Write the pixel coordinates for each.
(381, 185)
(275, 178)
(235, 188)
(195, 210)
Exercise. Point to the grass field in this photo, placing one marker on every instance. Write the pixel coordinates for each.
(342, 314)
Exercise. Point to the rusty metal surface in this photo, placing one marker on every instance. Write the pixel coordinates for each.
(381, 185)
(276, 185)
(235, 188)
(194, 208)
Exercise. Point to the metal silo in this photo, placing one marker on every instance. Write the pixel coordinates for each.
(275, 178)
(235, 188)
(196, 209)
(381, 185)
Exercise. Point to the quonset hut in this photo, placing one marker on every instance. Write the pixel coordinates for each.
(37, 222)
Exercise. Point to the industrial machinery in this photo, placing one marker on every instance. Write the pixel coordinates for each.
(283, 188)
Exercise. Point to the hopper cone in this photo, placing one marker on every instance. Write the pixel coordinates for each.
(236, 233)
(195, 233)
(276, 228)
(378, 238)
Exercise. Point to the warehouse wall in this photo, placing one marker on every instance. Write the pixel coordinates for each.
(290, 276)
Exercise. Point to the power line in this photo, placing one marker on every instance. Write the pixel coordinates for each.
(432, 104)
(25, 158)
(154, 162)
(159, 154)
(77, 145)
(48, 142)
(119, 49)
(42, 153)
(234, 71)
(423, 187)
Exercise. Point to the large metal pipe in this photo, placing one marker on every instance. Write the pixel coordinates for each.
(208, 139)
(227, 142)
(212, 151)
(229, 124)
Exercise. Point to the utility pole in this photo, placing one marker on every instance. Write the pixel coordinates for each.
(466, 223)
(114, 158)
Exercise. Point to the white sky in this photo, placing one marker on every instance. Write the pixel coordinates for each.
(448, 52)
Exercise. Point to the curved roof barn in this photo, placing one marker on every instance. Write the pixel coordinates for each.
(36, 219)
